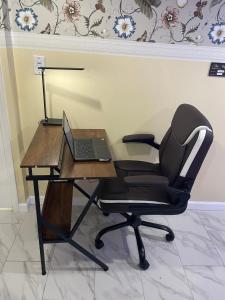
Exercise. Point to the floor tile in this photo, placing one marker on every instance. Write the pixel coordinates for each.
(165, 282)
(218, 239)
(66, 257)
(206, 283)
(9, 217)
(26, 246)
(213, 220)
(158, 251)
(1, 267)
(199, 245)
(119, 282)
(196, 249)
(8, 234)
(22, 281)
(189, 221)
(91, 224)
(162, 220)
(116, 248)
(120, 245)
(70, 284)
(156, 219)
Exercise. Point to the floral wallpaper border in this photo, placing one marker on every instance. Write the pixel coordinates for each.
(172, 22)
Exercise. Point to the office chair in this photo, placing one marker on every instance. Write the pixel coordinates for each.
(143, 188)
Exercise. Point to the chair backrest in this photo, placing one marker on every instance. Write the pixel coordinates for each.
(184, 146)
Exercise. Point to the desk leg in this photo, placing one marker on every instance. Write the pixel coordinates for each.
(55, 229)
(39, 224)
(85, 210)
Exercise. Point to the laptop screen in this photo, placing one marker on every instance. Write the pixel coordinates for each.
(68, 133)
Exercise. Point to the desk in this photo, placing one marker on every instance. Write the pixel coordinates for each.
(47, 150)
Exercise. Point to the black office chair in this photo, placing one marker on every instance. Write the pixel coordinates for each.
(143, 188)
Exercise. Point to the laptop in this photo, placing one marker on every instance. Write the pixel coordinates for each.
(86, 148)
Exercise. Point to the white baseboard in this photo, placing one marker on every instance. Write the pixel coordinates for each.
(206, 205)
(31, 201)
(192, 205)
(23, 207)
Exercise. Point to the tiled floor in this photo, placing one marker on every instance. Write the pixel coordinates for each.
(190, 267)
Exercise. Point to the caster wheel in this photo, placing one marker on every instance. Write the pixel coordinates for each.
(106, 268)
(170, 237)
(144, 265)
(105, 214)
(99, 244)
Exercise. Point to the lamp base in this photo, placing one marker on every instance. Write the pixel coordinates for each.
(52, 122)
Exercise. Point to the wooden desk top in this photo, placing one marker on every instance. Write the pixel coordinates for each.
(45, 147)
(45, 151)
(86, 169)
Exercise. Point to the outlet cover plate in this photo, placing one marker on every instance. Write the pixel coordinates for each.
(39, 61)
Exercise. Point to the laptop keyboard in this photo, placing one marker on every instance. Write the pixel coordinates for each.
(84, 148)
(102, 149)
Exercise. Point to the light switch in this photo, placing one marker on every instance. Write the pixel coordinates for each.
(39, 61)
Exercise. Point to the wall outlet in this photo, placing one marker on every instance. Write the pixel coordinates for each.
(39, 61)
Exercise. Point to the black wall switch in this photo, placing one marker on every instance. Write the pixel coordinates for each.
(217, 69)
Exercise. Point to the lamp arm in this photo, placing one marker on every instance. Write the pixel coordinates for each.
(52, 121)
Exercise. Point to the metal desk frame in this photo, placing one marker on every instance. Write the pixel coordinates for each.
(47, 150)
(41, 222)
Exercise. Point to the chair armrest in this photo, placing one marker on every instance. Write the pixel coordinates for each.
(147, 180)
(141, 138)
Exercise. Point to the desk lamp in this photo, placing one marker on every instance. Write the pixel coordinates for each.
(47, 120)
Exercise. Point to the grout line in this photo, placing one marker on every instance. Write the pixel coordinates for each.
(175, 246)
(188, 283)
(142, 284)
(205, 226)
(203, 210)
(215, 247)
(174, 241)
(207, 266)
(6, 259)
(95, 282)
(47, 273)
(20, 225)
(183, 266)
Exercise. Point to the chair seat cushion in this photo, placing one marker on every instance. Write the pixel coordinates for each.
(116, 197)
(135, 167)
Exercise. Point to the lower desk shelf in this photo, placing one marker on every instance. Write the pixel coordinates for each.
(57, 208)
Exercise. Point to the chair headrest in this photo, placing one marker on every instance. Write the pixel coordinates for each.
(187, 121)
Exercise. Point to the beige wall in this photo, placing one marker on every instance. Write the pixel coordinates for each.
(7, 64)
(126, 95)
